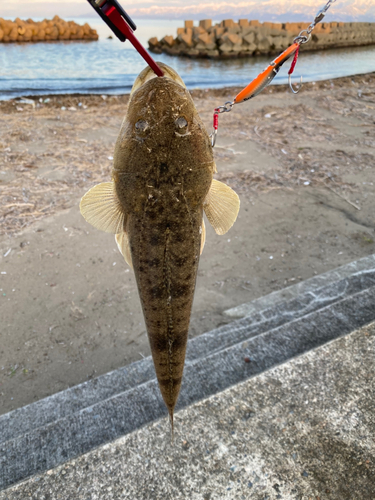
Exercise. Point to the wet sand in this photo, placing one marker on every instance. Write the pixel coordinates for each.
(303, 166)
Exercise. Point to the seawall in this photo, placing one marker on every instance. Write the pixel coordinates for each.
(42, 31)
(230, 39)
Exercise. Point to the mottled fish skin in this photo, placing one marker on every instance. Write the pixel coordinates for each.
(162, 181)
(163, 168)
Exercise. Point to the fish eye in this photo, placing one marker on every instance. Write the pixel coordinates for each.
(181, 122)
(141, 126)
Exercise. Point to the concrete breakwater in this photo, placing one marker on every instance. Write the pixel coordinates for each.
(231, 39)
(42, 31)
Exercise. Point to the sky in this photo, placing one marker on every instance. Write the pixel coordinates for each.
(264, 10)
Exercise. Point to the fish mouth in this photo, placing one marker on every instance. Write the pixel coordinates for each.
(148, 74)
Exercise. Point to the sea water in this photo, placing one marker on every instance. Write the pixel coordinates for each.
(109, 66)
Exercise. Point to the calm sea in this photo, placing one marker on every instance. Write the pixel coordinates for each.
(110, 67)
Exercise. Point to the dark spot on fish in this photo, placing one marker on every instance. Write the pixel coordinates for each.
(161, 209)
(152, 214)
(156, 323)
(162, 344)
(154, 240)
(154, 262)
(181, 291)
(180, 340)
(180, 261)
(183, 304)
(157, 292)
(179, 237)
(163, 168)
(162, 226)
(159, 343)
(180, 320)
(167, 382)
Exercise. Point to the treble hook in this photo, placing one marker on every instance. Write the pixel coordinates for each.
(298, 87)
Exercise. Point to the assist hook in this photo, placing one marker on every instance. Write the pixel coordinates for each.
(292, 66)
(298, 87)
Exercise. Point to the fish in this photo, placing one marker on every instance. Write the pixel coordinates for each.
(162, 182)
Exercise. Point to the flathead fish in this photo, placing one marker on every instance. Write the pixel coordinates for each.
(162, 181)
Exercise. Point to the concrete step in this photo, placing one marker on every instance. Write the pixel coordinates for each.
(302, 429)
(365, 264)
(49, 432)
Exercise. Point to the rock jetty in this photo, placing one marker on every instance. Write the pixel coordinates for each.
(244, 38)
(42, 31)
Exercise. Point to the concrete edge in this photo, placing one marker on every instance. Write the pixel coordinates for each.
(293, 291)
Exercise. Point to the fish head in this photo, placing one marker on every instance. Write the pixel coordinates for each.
(163, 139)
(148, 74)
(160, 110)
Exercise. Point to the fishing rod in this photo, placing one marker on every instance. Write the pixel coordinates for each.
(123, 27)
(259, 83)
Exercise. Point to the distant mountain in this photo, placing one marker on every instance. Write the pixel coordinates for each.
(266, 10)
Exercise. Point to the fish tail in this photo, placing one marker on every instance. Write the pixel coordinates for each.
(170, 410)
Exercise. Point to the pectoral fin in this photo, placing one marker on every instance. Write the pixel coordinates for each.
(101, 208)
(221, 206)
(203, 236)
(122, 241)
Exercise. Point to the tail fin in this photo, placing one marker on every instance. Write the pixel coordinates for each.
(171, 424)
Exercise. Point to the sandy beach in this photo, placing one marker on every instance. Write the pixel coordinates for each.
(303, 166)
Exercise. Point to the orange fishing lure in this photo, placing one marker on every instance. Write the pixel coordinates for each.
(259, 83)
(265, 78)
